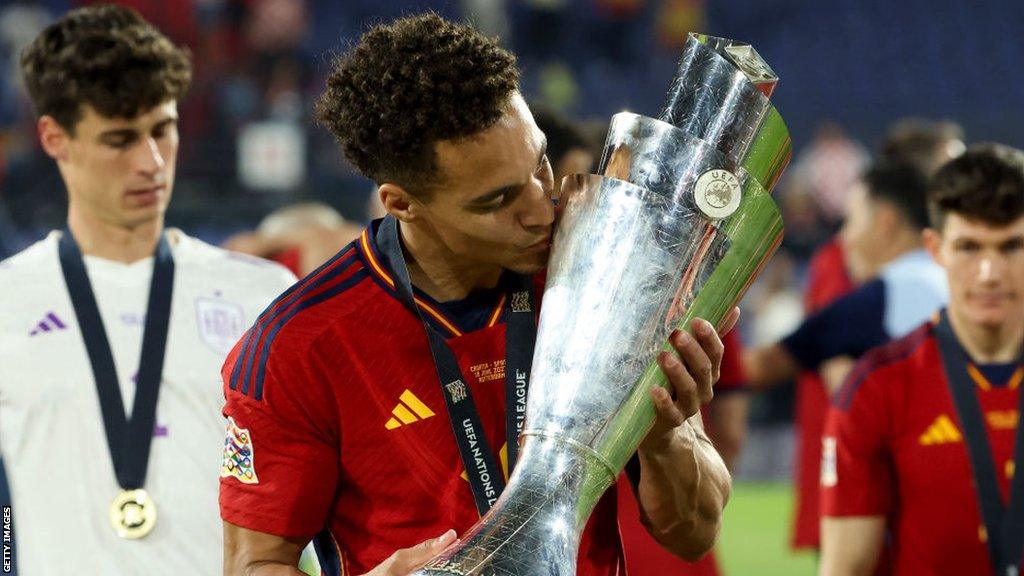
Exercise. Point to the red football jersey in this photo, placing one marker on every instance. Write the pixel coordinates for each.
(827, 280)
(894, 448)
(341, 426)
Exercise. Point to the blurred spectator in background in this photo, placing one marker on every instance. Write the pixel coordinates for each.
(570, 148)
(813, 195)
(7, 238)
(927, 144)
(828, 279)
(87, 382)
(301, 236)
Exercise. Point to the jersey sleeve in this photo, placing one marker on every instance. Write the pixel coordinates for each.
(857, 478)
(850, 326)
(732, 378)
(281, 451)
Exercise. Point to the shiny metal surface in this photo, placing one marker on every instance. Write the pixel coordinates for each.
(632, 259)
(714, 100)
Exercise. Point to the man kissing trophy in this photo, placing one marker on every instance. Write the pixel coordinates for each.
(676, 225)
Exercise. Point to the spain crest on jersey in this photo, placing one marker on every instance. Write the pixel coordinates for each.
(220, 323)
(239, 458)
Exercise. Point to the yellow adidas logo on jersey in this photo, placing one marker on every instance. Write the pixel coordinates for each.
(942, 431)
(408, 410)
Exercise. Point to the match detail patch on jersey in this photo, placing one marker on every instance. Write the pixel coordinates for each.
(239, 458)
(829, 474)
(942, 431)
(408, 410)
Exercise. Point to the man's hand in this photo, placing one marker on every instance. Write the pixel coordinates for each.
(692, 372)
(403, 562)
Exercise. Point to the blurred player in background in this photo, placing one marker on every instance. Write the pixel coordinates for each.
(112, 330)
(884, 227)
(570, 148)
(923, 440)
(882, 232)
(834, 271)
(299, 236)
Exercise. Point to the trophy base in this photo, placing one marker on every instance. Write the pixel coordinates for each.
(536, 524)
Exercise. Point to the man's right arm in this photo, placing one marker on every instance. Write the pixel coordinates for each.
(848, 326)
(857, 490)
(251, 553)
(850, 546)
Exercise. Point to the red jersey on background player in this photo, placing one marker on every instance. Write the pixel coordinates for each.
(318, 441)
(834, 270)
(924, 421)
(827, 280)
(728, 410)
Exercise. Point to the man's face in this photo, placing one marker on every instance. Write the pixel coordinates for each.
(119, 170)
(859, 236)
(494, 206)
(985, 267)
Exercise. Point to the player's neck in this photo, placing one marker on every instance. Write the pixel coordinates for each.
(110, 241)
(899, 245)
(998, 344)
(439, 273)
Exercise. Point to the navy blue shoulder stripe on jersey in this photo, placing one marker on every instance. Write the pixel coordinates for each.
(357, 277)
(327, 554)
(330, 271)
(877, 358)
(301, 290)
(273, 308)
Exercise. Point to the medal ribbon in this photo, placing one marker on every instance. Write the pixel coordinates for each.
(485, 477)
(128, 440)
(1004, 525)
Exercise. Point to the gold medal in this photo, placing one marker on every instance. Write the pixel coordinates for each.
(133, 514)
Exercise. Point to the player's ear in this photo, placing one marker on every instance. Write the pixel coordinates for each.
(932, 240)
(53, 137)
(399, 202)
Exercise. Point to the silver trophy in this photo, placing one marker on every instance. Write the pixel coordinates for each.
(676, 226)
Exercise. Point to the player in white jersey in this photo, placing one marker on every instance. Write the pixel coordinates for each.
(112, 332)
(51, 430)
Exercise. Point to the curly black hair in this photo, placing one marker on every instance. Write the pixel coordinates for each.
(108, 57)
(408, 84)
(986, 183)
